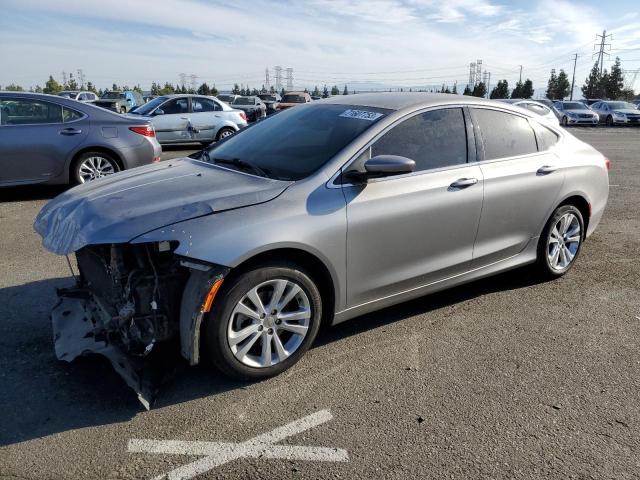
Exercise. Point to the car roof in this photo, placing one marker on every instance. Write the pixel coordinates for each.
(402, 100)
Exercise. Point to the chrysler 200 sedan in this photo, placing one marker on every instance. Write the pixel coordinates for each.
(316, 215)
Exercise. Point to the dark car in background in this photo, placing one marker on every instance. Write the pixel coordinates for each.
(252, 106)
(52, 139)
(272, 101)
(291, 99)
(121, 102)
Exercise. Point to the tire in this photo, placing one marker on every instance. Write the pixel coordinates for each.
(609, 121)
(123, 109)
(246, 357)
(92, 165)
(564, 121)
(224, 132)
(553, 262)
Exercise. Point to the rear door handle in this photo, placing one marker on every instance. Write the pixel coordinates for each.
(463, 183)
(546, 169)
(70, 131)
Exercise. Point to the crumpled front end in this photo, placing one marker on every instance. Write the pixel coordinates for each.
(125, 305)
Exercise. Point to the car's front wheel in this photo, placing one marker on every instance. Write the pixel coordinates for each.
(609, 121)
(92, 165)
(560, 242)
(263, 321)
(224, 133)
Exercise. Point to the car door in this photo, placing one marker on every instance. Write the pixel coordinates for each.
(407, 231)
(522, 181)
(35, 143)
(171, 121)
(206, 118)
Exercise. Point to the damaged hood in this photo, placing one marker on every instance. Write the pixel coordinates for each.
(126, 205)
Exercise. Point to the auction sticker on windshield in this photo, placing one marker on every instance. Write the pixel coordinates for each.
(361, 114)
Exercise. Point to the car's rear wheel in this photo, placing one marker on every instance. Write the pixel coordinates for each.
(263, 321)
(224, 133)
(560, 242)
(609, 121)
(92, 165)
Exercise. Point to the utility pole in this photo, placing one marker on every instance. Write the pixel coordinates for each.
(601, 53)
(520, 74)
(573, 80)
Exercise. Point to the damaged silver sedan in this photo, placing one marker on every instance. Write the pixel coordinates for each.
(318, 214)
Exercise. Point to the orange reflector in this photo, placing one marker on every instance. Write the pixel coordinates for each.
(206, 305)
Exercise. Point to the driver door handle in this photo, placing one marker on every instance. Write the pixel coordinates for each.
(463, 183)
(546, 169)
(70, 131)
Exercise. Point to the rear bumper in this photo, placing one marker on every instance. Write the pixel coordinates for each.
(146, 152)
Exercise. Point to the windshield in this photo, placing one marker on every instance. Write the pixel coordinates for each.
(269, 98)
(574, 106)
(293, 99)
(297, 142)
(113, 95)
(244, 101)
(621, 105)
(147, 108)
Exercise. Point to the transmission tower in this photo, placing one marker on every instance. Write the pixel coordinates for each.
(183, 77)
(472, 74)
(81, 77)
(602, 45)
(267, 80)
(194, 81)
(289, 78)
(478, 71)
(628, 84)
(64, 78)
(278, 70)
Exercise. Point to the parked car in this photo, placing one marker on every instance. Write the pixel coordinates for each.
(616, 112)
(535, 107)
(52, 139)
(227, 98)
(191, 118)
(79, 95)
(590, 101)
(121, 102)
(636, 103)
(575, 113)
(252, 106)
(318, 214)
(291, 99)
(272, 101)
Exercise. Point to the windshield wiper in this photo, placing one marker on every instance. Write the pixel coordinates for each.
(240, 164)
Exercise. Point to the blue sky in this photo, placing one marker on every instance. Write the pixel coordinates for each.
(360, 43)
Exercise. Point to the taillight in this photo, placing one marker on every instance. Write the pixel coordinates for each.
(145, 130)
(156, 159)
(243, 116)
(607, 163)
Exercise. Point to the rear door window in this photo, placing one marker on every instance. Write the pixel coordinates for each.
(201, 104)
(504, 134)
(176, 106)
(434, 139)
(21, 111)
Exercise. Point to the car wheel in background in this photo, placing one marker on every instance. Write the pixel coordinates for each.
(224, 133)
(264, 321)
(560, 242)
(92, 165)
(609, 121)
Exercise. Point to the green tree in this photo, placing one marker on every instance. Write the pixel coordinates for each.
(527, 89)
(335, 90)
(552, 85)
(168, 89)
(272, 89)
(467, 91)
(38, 89)
(592, 82)
(236, 89)
(155, 88)
(71, 84)
(138, 89)
(480, 90)
(91, 87)
(325, 92)
(51, 86)
(282, 92)
(563, 86)
(316, 91)
(12, 87)
(615, 84)
(204, 89)
(455, 89)
(345, 91)
(517, 91)
(501, 90)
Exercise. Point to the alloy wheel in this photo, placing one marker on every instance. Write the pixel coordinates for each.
(564, 242)
(269, 323)
(225, 133)
(95, 167)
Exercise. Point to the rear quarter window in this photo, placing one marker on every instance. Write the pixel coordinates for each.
(546, 137)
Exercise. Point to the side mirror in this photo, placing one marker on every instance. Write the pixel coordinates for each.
(158, 111)
(383, 166)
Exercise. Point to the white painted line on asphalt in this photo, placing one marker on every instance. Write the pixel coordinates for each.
(262, 446)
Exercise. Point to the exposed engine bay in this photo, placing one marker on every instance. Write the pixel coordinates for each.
(126, 301)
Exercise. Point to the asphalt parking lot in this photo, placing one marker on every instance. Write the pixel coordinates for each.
(502, 378)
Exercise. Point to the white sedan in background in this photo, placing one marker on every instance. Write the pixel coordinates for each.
(534, 107)
(191, 118)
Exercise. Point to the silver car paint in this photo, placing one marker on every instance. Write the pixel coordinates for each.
(402, 237)
(39, 153)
